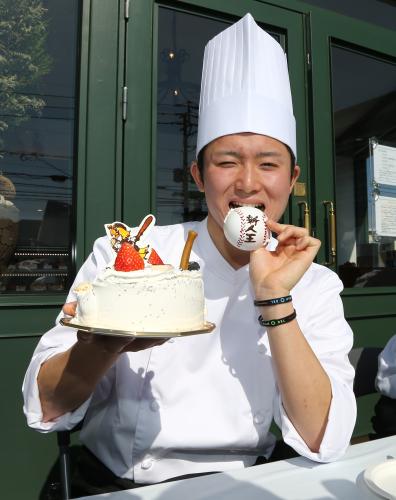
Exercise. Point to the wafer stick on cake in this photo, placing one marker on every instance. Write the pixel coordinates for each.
(185, 258)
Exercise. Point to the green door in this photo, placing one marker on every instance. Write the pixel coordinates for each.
(162, 111)
(354, 90)
(354, 83)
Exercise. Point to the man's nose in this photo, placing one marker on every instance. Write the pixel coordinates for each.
(248, 180)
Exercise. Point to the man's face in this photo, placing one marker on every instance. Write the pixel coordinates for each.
(245, 169)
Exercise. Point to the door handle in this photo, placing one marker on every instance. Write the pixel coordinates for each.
(306, 215)
(332, 231)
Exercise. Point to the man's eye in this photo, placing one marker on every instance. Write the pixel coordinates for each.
(267, 165)
(227, 164)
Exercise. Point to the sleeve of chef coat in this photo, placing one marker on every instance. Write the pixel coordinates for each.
(386, 376)
(331, 339)
(57, 340)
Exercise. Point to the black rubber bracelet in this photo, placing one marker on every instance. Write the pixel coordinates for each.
(277, 322)
(273, 302)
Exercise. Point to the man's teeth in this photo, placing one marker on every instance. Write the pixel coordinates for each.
(237, 205)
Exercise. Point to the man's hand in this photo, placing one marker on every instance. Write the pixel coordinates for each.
(109, 343)
(280, 270)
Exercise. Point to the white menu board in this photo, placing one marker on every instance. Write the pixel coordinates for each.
(384, 165)
(381, 190)
(385, 216)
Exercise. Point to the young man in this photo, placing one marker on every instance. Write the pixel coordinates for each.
(205, 403)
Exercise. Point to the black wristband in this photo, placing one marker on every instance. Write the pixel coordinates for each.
(277, 322)
(273, 302)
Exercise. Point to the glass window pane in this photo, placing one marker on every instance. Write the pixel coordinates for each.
(38, 76)
(181, 42)
(364, 110)
(380, 12)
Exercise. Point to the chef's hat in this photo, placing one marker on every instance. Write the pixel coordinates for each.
(245, 86)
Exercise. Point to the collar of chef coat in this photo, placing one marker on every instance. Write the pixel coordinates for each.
(215, 262)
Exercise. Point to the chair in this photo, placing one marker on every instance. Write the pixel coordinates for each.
(57, 484)
(365, 362)
(63, 440)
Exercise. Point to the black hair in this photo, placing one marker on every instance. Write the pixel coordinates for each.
(200, 162)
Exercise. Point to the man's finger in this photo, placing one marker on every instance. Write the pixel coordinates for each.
(307, 241)
(276, 226)
(288, 232)
(70, 308)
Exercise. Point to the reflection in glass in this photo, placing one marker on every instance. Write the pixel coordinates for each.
(181, 42)
(364, 107)
(37, 128)
(380, 12)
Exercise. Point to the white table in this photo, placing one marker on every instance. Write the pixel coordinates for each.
(294, 479)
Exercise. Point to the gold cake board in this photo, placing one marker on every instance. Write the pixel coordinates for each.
(207, 328)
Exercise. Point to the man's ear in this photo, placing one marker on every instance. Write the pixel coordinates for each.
(196, 175)
(294, 177)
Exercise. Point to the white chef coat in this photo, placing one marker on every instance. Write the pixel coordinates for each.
(204, 403)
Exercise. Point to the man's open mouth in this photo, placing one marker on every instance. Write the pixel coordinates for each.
(260, 206)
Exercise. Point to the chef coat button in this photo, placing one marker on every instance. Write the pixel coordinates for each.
(261, 348)
(154, 405)
(258, 418)
(147, 463)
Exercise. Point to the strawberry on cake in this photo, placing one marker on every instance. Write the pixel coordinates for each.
(139, 293)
